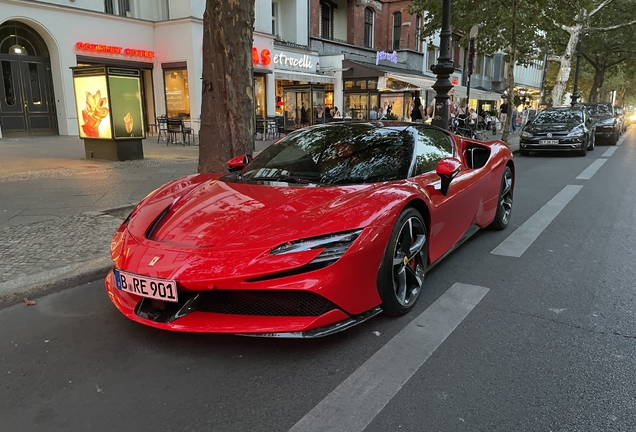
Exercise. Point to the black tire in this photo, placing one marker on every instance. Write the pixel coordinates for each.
(401, 274)
(524, 152)
(593, 145)
(615, 139)
(582, 152)
(504, 204)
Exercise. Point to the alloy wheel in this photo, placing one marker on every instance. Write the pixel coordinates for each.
(505, 201)
(409, 261)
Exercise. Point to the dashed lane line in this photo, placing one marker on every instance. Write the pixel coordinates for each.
(609, 152)
(354, 404)
(589, 172)
(523, 237)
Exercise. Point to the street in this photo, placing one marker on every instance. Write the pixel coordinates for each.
(528, 330)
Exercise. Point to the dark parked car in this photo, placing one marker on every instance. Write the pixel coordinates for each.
(558, 129)
(608, 127)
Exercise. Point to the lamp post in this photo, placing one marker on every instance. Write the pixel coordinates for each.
(471, 56)
(579, 54)
(443, 69)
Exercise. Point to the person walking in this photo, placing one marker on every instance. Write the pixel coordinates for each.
(513, 122)
(417, 111)
(503, 112)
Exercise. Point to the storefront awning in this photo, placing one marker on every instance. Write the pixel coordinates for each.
(420, 83)
(300, 76)
(460, 92)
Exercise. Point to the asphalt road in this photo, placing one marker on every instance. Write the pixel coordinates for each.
(551, 346)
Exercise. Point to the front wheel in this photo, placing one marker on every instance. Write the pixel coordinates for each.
(401, 274)
(504, 207)
(591, 146)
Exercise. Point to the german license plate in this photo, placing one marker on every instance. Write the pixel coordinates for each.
(159, 289)
(548, 141)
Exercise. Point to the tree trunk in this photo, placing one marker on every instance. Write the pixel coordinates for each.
(599, 78)
(227, 102)
(511, 73)
(566, 66)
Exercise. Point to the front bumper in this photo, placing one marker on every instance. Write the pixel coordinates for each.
(565, 144)
(605, 133)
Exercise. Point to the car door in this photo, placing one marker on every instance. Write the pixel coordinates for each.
(451, 214)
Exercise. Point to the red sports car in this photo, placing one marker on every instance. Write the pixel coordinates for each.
(324, 229)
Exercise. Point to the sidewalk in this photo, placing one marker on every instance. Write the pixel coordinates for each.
(58, 211)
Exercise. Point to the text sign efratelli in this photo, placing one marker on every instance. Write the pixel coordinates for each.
(294, 61)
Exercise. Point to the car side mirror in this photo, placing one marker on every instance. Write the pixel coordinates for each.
(239, 162)
(447, 169)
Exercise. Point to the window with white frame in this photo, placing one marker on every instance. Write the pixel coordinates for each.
(368, 27)
(119, 7)
(418, 33)
(397, 30)
(275, 18)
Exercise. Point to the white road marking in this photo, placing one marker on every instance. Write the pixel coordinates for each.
(620, 141)
(609, 152)
(520, 240)
(353, 405)
(589, 172)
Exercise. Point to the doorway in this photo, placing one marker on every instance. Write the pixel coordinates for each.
(27, 101)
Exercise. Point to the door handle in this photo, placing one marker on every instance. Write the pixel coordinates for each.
(26, 105)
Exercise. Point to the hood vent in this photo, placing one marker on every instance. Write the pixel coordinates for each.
(157, 223)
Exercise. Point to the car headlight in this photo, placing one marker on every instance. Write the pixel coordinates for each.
(633, 117)
(526, 135)
(576, 133)
(334, 245)
(609, 122)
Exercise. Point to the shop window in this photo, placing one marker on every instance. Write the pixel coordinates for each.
(361, 85)
(397, 30)
(368, 27)
(19, 39)
(259, 96)
(372, 84)
(432, 57)
(325, 20)
(7, 79)
(356, 106)
(177, 93)
(348, 85)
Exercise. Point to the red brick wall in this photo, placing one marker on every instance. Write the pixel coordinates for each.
(383, 23)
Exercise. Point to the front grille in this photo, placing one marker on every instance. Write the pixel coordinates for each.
(262, 302)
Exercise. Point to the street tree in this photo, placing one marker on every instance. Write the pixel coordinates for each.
(227, 114)
(575, 19)
(508, 26)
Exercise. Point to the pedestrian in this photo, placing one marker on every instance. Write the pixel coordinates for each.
(373, 115)
(513, 121)
(417, 111)
(503, 112)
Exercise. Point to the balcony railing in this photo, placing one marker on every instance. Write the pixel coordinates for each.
(282, 42)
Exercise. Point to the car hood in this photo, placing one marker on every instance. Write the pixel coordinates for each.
(550, 127)
(218, 214)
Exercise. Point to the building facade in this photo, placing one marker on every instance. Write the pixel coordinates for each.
(308, 55)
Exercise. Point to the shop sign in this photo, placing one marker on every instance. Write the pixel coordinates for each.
(383, 55)
(110, 49)
(294, 61)
(264, 57)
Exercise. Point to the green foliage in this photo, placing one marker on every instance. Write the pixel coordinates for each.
(391, 116)
(494, 19)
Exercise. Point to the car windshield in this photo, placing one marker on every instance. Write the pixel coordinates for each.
(600, 110)
(558, 116)
(335, 154)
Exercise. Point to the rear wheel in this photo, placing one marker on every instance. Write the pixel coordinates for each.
(504, 207)
(401, 274)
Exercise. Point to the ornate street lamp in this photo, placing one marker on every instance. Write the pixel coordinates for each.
(443, 69)
(579, 54)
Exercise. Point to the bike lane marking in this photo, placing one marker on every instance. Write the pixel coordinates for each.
(523, 237)
(354, 404)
